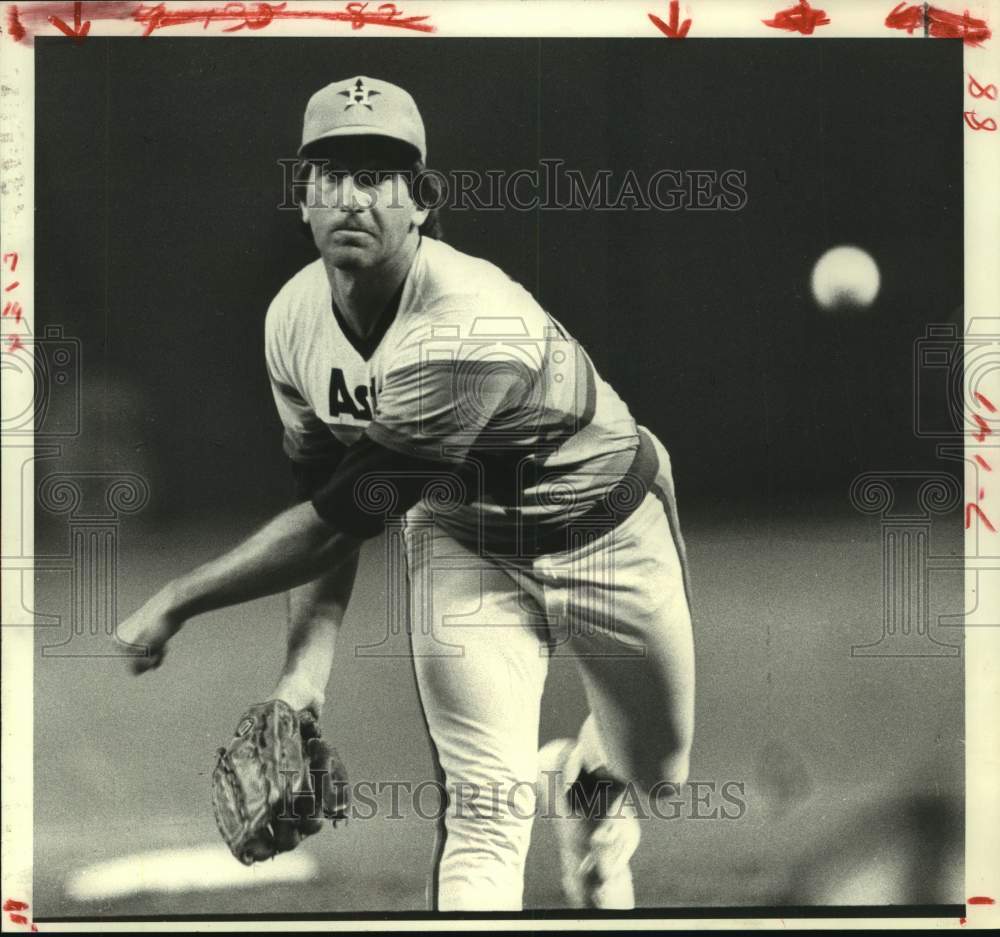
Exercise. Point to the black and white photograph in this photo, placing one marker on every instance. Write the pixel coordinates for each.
(460, 472)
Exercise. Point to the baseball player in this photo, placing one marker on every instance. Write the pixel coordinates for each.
(413, 379)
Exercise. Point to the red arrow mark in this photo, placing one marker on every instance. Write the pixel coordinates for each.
(79, 29)
(14, 26)
(799, 19)
(906, 17)
(672, 30)
(945, 25)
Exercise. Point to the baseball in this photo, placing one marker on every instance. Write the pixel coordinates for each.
(845, 279)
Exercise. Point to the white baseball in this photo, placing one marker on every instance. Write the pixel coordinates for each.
(845, 277)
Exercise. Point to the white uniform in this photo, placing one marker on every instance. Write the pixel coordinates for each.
(468, 369)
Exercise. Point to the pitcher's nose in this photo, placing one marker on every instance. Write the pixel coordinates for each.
(355, 197)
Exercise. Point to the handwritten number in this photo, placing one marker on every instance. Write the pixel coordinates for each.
(979, 91)
(989, 124)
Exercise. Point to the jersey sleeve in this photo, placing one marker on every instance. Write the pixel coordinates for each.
(306, 439)
(450, 381)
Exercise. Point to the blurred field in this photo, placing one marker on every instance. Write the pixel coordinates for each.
(852, 768)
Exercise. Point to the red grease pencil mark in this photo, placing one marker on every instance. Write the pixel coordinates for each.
(905, 17)
(801, 18)
(980, 899)
(11, 906)
(945, 25)
(969, 508)
(986, 402)
(14, 344)
(671, 29)
(984, 429)
(23, 22)
(989, 124)
(263, 14)
(14, 26)
(79, 30)
(12, 286)
(13, 309)
(976, 90)
(13, 260)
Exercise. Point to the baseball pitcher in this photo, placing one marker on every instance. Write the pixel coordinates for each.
(413, 379)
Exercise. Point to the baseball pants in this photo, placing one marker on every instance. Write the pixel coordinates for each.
(481, 637)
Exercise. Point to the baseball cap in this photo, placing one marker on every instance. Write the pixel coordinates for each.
(362, 105)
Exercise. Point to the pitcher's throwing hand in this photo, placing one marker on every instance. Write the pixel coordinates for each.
(150, 628)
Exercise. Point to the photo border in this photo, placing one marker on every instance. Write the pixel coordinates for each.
(706, 19)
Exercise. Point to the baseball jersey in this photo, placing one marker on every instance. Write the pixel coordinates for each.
(467, 369)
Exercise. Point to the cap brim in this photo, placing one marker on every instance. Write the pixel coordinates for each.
(359, 130)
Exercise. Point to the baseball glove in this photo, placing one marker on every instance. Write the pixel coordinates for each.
(275, 782)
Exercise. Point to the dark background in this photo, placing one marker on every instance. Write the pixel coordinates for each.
(160, 244)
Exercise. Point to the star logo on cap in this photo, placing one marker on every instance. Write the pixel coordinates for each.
(360, 95)
(243, 729)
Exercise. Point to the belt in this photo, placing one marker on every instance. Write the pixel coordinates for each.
(607, 513)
